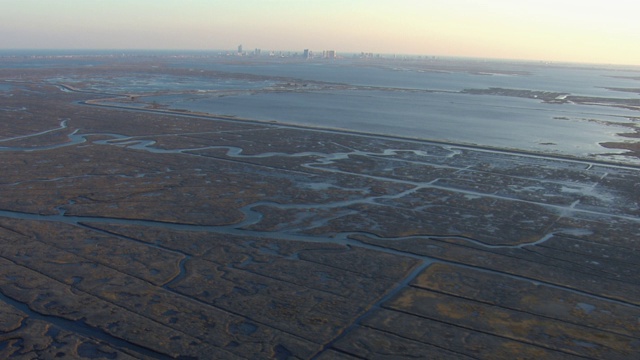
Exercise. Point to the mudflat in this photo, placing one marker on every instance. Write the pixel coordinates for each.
(148, 233)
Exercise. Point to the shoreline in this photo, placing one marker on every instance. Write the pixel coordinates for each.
(208, 116)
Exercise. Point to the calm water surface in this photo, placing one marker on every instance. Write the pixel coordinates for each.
(417, 100)
(500, 121)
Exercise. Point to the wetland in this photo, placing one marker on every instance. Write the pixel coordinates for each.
(207, 208)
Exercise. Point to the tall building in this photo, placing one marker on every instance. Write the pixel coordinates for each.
(306, 54)
(330, 54)
(239, 49)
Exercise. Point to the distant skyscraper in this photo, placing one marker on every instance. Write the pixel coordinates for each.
(239, 49)
(306, 54)
(330, 54)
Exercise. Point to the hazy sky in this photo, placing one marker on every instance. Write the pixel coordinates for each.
(602, 31)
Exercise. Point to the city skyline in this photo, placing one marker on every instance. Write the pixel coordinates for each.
(569, 31)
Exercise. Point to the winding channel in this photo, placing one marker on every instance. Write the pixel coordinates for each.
(252, 216)
(319, 163)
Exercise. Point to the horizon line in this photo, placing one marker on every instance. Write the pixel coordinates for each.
(231, 52)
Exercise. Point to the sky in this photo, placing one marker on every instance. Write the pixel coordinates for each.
(590, 31)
